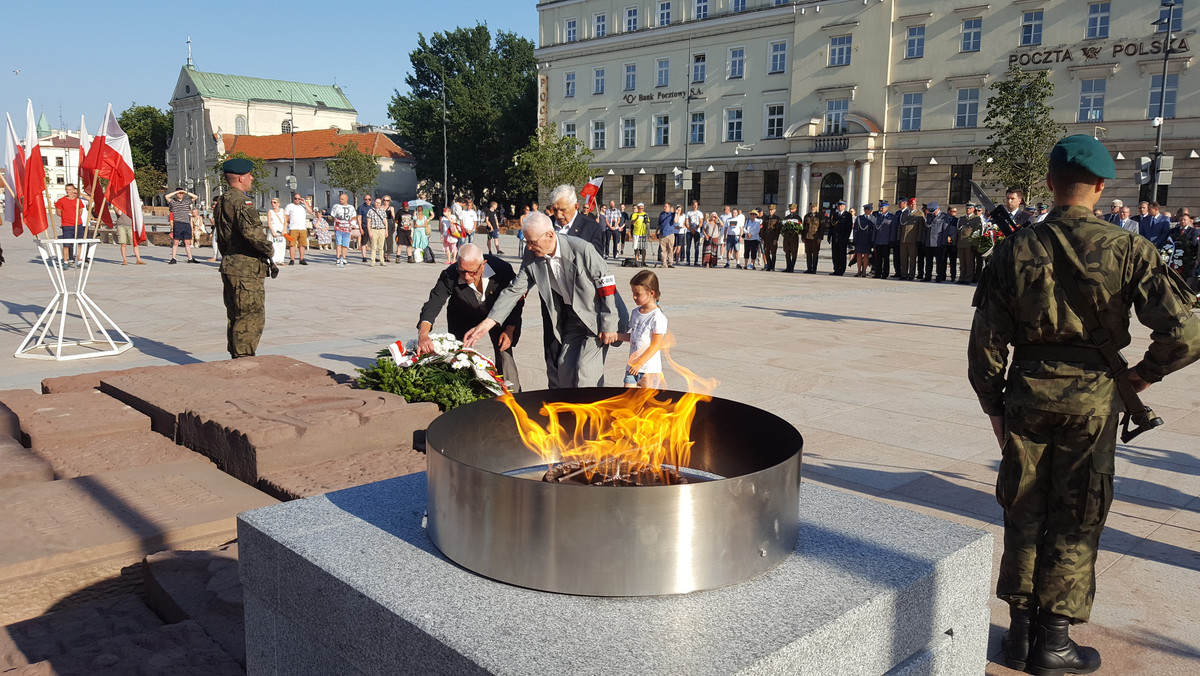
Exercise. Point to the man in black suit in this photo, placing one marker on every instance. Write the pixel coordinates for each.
(471, 287)
(568, 220)
(1014, 201)
(840, 226)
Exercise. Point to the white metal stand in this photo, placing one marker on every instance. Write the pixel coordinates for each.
(67, 288)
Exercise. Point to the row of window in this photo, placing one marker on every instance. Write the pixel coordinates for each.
(1099, 15)
(734, 118)
(1091, 103)
(665, 14)
(966, 116)
(698, 71)
(730, 192)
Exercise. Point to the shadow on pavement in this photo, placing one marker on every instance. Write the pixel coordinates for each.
(826, 317)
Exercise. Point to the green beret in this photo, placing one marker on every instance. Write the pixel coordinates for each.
(237, 166)
(1087, 153)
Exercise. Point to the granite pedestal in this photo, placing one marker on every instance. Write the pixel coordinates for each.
(349, 583)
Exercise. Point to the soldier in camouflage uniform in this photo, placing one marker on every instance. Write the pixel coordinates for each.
(1056, 419)
(245, 256)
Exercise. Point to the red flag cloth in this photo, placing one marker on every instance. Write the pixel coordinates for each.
(14, 176)
(117, 166)
(589, 191)
(34, 214)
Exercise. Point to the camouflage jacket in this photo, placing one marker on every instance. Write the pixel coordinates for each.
(244, 246)
(1018, 301)
(814, 226)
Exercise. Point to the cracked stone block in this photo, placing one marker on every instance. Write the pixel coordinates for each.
(64, 631)
(165, 392)
(202, 586)
(18, 465)
(122, 450)
(73, 416)
(260, 434)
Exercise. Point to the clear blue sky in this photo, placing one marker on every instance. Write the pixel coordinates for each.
(78, 57)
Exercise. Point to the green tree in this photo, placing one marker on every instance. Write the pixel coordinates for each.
(149, 131)
(1023, 132)
(150, 180)
(491, 90)
(259, 172)
(546, 161)
(353, 171)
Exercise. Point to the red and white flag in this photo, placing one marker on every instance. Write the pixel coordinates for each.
(110, 158)
(33, 203)
(589, 192)
(89, 163)
(14, 177)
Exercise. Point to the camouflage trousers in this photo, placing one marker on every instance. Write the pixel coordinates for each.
(245, 306)
(1056, 485)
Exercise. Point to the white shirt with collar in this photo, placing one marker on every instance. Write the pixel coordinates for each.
(562, 229)
(481, 290)
(555, 266)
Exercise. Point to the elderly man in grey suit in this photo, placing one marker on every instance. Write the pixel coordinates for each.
(581, 308)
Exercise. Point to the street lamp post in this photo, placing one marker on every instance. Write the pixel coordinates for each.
(1162, 98)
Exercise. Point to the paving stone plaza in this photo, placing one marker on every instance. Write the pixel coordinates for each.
(872, 373)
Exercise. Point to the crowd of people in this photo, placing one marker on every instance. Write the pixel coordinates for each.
(914, 242)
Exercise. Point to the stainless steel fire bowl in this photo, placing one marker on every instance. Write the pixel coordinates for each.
(489, 513)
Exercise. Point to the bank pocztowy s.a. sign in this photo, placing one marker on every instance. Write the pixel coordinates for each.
(662, 96)
(1117, 49)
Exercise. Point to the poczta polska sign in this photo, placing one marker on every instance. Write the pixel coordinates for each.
(663, 96)
(1093, 52)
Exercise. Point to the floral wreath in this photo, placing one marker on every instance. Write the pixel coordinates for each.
(450, 350)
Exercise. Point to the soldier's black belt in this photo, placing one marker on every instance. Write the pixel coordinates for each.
(1078, 354)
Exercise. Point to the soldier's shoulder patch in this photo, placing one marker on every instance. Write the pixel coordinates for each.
(249, 203)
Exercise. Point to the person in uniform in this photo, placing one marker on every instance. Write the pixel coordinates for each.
(772, 227)
(912, 229)
(885, 233)
(1055, 413)
(245, 259)
(968, 226)
(814, 230)
(791, 240)
(841, 225)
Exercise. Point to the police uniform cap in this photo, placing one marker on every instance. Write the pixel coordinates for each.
(884, 204)
(841, 201)
(1041, 205)
(933, 206)
(237, 165)
(1087, 153)
(868, 206)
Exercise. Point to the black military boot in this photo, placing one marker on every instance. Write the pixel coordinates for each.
(1018, 637)
(1054, 653)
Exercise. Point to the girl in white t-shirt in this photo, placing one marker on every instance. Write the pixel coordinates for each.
(647, 331)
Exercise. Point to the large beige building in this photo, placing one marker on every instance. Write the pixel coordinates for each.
(814, 101)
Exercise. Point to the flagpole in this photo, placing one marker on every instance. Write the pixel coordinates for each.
(100, 213)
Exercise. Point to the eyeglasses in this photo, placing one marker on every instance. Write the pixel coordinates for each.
(477, 270)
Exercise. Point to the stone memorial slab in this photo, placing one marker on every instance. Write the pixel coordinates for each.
(202, 586)
(10, 425)
(123, 450)
(61, 632)
(71, 417)
(89, 381)
(350, 582)
(18, 465)
(165, 392)
(340, 473)
(256, 434)
(177, 649)
(105, 521)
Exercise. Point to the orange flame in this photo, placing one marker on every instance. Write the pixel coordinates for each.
(636, 429)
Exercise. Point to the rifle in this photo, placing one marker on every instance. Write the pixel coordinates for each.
(996, 214)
